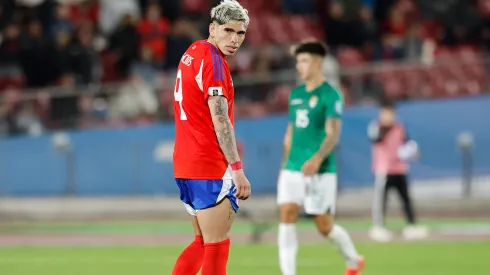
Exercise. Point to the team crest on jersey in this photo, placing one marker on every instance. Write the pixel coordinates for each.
(313, 101)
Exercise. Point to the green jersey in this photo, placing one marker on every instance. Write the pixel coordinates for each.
(308, 112)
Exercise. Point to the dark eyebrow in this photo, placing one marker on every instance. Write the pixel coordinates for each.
(232, 30)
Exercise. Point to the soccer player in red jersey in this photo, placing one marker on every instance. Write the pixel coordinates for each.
(207, 166)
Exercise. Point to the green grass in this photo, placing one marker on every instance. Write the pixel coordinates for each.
(381, 259)
(240, 226)
(418, 258)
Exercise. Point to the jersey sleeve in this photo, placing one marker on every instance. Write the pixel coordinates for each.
(215, 75)
(290, 110)
(334, 105)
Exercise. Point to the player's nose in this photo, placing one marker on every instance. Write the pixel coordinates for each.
(234, 39)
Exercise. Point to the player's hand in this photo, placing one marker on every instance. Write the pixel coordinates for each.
(311, 166)
(242, 185)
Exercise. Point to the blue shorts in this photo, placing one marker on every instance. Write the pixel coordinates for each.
(201, 194)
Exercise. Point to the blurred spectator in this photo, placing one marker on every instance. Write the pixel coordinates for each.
(10, 47)
(331, 70)
(27, 120)
(135, 98)
(7, 13)
(171, 9)
(111, 12)
(146, 68)
(84, 11)
(336, 28)
(62, 21)
(34, 56)
(153, 29)
(64, 109)
(83, 54)
(182, 35)
(61, 60)
(395, 30)
(299, 6)
(124, 44)
(364, 31)
(8, 107)
(414, 42)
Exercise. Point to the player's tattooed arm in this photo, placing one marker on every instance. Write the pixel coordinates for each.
(218, 105)
(333, 129)
(287, 142)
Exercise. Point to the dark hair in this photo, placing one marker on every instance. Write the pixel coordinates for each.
(388, 104)
(313, 47)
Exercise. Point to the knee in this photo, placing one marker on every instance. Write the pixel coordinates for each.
(288, 213)
(324, 225)
(325, 230)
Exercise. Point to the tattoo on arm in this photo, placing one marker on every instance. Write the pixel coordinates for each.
(333, 129)
(224, 130)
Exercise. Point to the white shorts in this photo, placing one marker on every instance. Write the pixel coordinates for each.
(317, 194)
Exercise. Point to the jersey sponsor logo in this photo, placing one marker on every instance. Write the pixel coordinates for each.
(296, 101)
(313, 101)
(215, 91)
(187, 59)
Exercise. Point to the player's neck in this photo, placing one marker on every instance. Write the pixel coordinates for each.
(212, 42)
(314, 83)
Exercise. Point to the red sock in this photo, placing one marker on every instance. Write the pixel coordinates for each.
(190, 260)
(215, 258)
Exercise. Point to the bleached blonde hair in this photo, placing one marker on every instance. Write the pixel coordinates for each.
(229, 10)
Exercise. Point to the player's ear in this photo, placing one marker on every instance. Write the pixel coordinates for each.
(319, 60)
(212, 29)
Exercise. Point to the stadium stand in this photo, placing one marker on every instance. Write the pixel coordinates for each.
(84, 63)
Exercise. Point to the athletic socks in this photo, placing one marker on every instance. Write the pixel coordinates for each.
(343, 242)
(190, 260)
(215, 258)
(288, 248)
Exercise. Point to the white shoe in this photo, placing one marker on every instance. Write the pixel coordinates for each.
(415, 232)
(380, 234)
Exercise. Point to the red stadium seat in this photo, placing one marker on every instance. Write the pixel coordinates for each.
(348, 56)
(195, 6)
(254, 109)
(278, 100)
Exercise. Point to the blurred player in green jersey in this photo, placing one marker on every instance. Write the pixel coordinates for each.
(308, 177)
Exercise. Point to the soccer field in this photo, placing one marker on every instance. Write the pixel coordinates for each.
(435, 257)
(381, 259)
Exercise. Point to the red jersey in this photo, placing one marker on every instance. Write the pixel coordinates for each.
(202, 72)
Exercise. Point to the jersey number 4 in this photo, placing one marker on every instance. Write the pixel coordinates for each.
(178, 95)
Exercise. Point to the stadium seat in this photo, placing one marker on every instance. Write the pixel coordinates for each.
(278, 100)
(195, 6)
(276, 31)
(349, 56)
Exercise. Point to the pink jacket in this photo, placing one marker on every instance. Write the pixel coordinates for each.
(385, 152)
